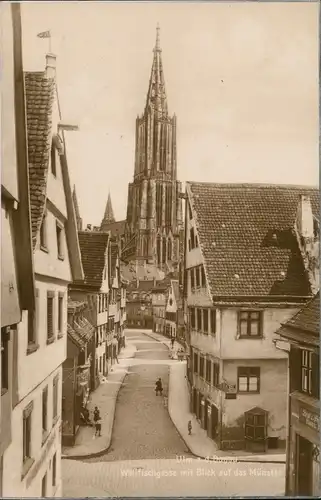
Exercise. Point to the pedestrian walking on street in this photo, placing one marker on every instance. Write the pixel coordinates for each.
(96, 414)
(189, 427)
(159, 387)
(98, 427)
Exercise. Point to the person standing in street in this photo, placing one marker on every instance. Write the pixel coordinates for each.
(159, 387)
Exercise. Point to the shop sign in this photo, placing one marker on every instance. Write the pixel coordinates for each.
(310, 419)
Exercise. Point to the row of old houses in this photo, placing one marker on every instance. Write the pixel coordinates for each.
(62, 298)
(251, 279)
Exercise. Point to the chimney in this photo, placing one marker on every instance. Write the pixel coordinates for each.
(50, 65)
(304, 219)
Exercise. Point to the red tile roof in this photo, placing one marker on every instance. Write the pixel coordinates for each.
(307, 320)
(236, 223)
(93, 248)
(39, 99)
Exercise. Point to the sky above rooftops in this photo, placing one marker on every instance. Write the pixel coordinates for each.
(242, 79)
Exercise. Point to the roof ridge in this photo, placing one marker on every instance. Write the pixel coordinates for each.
(253, 184)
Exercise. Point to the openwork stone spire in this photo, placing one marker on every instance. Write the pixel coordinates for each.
(109, 213)
(156, 96)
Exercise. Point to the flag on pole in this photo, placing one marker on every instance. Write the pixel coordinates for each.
(44, 34)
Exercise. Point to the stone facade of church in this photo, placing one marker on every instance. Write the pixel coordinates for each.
(154, 209)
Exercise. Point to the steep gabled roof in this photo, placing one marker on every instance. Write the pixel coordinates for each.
(307, 320)
(39, 92)
(247, 239)
(93, 248)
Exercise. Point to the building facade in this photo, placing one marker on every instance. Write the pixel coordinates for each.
(159, 297)
(171, 310)
(94, 290)
(32, 462)
(76, 381)
(246, 271)
(154, 206)
(301, 339)
(139, 304)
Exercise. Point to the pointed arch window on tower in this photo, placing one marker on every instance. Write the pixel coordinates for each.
(158, 248)
(169, 250)
(164, 251)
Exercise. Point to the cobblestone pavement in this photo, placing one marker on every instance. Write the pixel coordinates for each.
(195, 478)
(142, 427)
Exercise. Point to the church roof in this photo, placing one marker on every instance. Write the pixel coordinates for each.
(156, 95)
(236, 224)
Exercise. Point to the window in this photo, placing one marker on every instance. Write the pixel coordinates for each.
(192, 237)
(250, 323)
(44, 485)
(199, 320)
(50, 324)
(190, 212)
(5, 337)
(201, 372)
(192, 279)
(205, 320)
(198, 277)
(27, 415)
(54, 470)
(213, 321)
(44, 410)
(208, 370)
(53, 160)
(192, 317)
(195, 362)
(60, 313)
(203, 280)
(43, 233)
(216, 374)
(306, 371)
(59, 232)
(55, 398)
(248, 379)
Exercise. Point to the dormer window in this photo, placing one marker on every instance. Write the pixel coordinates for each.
(60, 248)
(43, 233)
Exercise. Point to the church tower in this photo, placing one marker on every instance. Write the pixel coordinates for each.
(154, 207)
(108, 215)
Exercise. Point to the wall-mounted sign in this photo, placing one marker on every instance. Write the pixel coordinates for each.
(309, 418)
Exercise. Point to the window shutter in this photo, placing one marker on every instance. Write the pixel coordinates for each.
(315, 375)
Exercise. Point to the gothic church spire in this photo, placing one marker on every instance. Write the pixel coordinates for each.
(156, 95)
(109, 213)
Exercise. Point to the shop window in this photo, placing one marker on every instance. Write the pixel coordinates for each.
(250, 324)
(248, 379)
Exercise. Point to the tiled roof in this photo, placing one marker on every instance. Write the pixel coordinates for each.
(93, 247)
(307, 320)
(39, 99)
(236, 223)
(81, 332)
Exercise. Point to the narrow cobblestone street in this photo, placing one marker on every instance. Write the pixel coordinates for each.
(147, 456)
(142, 427)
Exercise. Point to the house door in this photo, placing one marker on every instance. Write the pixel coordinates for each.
(304, 466)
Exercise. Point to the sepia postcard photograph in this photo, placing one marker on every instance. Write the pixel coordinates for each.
(160, 230)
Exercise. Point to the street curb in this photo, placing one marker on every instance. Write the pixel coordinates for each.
(105, 450)
(219, 459)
